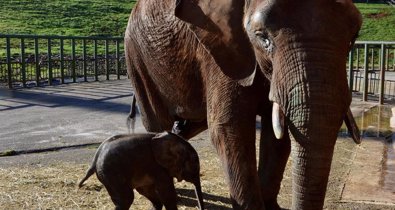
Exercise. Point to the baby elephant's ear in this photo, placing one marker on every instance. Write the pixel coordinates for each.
(169, 151)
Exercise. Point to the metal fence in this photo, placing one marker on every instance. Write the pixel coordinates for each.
(371, 70)
(29, 60)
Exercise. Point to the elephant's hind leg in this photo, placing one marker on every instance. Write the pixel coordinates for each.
(154, 113)
(149, 192)
(121, 193)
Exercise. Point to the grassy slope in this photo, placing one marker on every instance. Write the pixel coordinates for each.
(378, 22)
(64, 17)
(109, 17)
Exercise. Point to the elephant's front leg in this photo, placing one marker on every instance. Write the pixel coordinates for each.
(231, 118)
(273, 156)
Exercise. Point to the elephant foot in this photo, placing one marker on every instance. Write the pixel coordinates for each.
(271, 204)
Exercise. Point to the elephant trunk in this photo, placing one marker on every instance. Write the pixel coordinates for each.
(310, 87)
(199, 194)
(313, 132)
(310, 171)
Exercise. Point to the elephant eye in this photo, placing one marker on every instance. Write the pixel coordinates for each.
(264, 40)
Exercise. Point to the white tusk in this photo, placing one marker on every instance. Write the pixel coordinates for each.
(278, 121)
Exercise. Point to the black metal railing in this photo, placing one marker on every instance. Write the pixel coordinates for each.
(372, 70)
(30, 60)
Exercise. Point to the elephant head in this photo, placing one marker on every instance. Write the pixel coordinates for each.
(180, 159)
(301, 48)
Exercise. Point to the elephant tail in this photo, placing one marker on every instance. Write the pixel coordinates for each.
(92, 168)
(131, 120)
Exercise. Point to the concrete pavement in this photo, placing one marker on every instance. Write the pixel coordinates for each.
(63, 116)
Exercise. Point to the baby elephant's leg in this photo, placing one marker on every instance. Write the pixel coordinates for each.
(149, 192)
(167, 194)
(121, 194)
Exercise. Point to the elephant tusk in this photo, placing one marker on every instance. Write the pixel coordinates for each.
(278, 121)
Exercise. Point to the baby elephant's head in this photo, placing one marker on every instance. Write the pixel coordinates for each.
(179, 158)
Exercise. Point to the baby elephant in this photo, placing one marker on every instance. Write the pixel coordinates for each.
(145, 162)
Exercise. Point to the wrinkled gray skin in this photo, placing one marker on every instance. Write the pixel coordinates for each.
(217, 64)
(145, 162)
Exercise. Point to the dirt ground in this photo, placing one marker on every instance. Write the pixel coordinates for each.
(53, 184)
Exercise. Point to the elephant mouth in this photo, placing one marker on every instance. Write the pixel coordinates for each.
(278, 121)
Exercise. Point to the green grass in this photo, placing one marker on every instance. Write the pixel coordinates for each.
(65, 17)
(378, 22)
(109, 18)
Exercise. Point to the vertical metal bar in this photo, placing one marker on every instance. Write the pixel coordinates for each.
(387, 58)
(118, 64)
(73, 66)
(62, 60)
(95, 63)
(37, 61)
(50, 61)
(107, 61)
(373, 58)
(357, 49)
(9, 69)
(365, 78)
(84, 57)
(23, 62)
(351, 70)
(382, 74)
(393, 59)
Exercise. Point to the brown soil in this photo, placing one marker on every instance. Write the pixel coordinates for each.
(378, 15)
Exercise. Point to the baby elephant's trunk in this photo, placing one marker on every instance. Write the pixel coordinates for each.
(199, 194)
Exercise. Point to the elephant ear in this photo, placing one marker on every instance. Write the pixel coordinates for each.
(218, 24)
(169, 152)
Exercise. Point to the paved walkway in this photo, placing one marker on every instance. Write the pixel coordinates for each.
(63, 116)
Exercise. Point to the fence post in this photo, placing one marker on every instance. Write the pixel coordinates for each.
(382, 73)
(372, 58)
(365, 78)
(84, 57)
(62, 59)
(23, 63)
(351, 70)
(95, 63)
(37, 61)
(9, 69)
(393, 60)
(117, 64)
(357, 49)
(73, 66)
(49, 61)
(107, 61)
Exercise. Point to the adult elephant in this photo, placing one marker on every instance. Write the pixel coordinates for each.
(196, 60)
